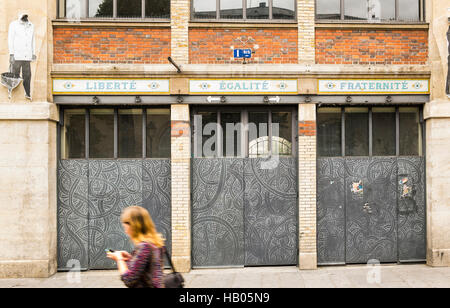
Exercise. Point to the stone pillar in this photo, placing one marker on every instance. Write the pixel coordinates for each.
(307, 186)
(306, 31)
(437, 116)
(181, 188)
(180, 15)
(28, 239)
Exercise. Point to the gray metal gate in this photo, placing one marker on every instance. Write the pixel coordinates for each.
(91, 197)
(242, 214)
(371, 208)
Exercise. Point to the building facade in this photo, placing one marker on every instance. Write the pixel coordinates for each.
(256, 133)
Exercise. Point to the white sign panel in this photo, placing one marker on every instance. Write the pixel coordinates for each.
(111, 86)
(244, 86)
(374, 86)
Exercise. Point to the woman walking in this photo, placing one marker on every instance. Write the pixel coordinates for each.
(144, 267)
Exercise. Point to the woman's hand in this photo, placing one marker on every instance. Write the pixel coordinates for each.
(119, 256)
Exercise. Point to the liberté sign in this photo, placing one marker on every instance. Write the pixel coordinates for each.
(110, 86)
(373, 86)
(243, 86)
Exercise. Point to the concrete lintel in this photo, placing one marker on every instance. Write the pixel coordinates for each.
(35, 111)
(240, 70)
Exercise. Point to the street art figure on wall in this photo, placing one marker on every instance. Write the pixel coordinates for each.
(22, 50)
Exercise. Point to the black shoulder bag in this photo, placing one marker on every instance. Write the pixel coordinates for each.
(174, 279)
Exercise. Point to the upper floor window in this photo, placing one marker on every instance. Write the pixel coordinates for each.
(371, 10)
(244, 9)
(81, 9)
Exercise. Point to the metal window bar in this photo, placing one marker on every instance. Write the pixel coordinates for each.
(343, 131)
(370, 132)
(397, 131)
(116, 133)
(144, 133)
(87, 132)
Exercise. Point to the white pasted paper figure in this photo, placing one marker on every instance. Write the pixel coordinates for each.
(22, 50)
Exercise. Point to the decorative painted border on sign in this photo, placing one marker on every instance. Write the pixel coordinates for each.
(373, 86)
(243, 86)
(110, 86)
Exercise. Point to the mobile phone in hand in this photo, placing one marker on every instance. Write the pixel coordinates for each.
(109, 251)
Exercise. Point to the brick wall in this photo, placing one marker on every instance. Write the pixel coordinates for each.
(365, 46)
(180, 15)
(307, 186)
(181, 187)
(111, 45)
(213, 46)
(306, 21)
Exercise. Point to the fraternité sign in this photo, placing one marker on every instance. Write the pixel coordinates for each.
(373, 86)
(243, 86)
(111, 86)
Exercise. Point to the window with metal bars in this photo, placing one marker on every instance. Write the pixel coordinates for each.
(244, 10)
(369, 131)
(109, 133)
(114, 9)
(371, 10)
(250, 132)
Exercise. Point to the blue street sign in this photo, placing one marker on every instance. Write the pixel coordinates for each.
(242, 53)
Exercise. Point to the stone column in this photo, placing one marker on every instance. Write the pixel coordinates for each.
(28, 239)
(437, 116)
(180, 15)
(181, 188)
(307, 186)
(306, 31)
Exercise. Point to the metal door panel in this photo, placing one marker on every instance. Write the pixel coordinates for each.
(156, 190)
(217, 212)
(270, 212)
(371, 209)
(113, 186)
(73, 214)
(411, 209)
(330, 211)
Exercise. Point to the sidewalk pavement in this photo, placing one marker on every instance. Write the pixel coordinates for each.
(390, 276)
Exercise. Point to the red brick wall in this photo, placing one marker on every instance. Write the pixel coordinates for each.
(371, 46)
(111, 45)
(212, 46)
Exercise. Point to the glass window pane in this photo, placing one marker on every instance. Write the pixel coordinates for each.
(258, 134)
(282, 133)
(382, 10)
(383, 131)
(231, 9)
(206, 144)
(157, 8)
(356, 131)
(283, 9)
(101, 8)
(408, 10)
(328, 9)
(205, 9)
(101, 133)
(355, 10)
(410, 132)
(74, 134)
(130, 133)
(129, 8)
(158, 133)
(231, 128)
(75, 9)
(329, 132)
(257, 9)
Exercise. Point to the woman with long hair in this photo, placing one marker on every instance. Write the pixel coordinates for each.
(144, 267)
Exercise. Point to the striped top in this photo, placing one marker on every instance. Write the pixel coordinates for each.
(145, 268)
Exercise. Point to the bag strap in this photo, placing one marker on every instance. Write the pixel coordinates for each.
(170, 260)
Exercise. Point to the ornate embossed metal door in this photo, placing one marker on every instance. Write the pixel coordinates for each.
(270, 211)
(411, 209)
(242, 214)
(371, 209)
(91, 197)
(331, 211)
(217, 212)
